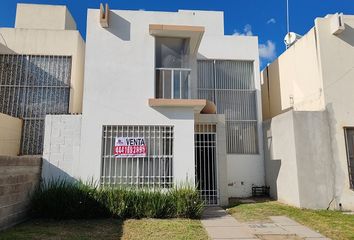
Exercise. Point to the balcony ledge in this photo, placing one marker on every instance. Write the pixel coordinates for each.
(199, 105)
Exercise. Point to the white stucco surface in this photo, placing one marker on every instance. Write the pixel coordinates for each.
(298, 163)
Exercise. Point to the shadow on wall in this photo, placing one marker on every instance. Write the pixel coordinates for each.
(347, 35)
(337, 171)
(175, 114)
(201, 57)
(119, 27)
(3, 48)
(51, 172)
(272, 166)
(272, 179)
(271, 92)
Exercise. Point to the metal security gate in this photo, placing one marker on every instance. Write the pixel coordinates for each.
(32, 86)
(205, 163)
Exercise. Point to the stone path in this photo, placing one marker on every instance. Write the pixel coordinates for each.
(220, 225)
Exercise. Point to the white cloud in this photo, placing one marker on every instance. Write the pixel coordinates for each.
(272, 20)
(247, 31)
(267, 51)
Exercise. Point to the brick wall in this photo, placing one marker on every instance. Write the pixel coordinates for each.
(61, 146)
(18, 177)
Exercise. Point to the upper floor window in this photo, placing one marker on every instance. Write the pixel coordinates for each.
(172, 68)
(230, 85)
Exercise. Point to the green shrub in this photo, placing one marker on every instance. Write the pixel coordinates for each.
(188, 202)
(67, 200)
(63, 200)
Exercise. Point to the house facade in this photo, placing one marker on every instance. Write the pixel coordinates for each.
(306, 100)
(168, 100)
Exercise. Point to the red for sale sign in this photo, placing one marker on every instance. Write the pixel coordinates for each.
(129, 147)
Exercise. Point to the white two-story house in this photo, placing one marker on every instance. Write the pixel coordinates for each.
(168, 99)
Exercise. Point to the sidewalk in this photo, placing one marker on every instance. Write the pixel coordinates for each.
(220, 225)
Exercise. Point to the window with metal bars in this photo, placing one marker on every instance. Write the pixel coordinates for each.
(32, 86)
(349, 139)
(230, 85)
(153, 170)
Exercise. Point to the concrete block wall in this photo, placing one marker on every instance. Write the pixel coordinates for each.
(18, 177)
(10, 135)
(61, 151)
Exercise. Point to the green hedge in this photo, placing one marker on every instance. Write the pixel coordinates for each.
(67, 200)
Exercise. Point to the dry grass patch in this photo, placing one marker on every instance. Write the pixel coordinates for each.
(174, 229)
(108, 229)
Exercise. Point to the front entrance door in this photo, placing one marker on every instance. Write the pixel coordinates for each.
(205, 163)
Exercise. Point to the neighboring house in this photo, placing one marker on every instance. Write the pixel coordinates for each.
(41, 72)
(168, 99)
(307, 95)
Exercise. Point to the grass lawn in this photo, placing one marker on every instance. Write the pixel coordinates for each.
(332, 224)
(107, 229)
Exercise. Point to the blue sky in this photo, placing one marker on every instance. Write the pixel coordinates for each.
(264, 18)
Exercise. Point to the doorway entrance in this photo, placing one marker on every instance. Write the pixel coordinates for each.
(206, 163)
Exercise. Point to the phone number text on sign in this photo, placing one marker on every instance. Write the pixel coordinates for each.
(129, 147)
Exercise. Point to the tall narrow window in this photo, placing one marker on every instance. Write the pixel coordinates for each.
(230, 85)
(172, 68)
(349, 137)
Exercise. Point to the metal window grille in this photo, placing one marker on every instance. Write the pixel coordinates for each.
(154, 170)
(349, 139)
(230, 85)
(31, 87)
(205, 163)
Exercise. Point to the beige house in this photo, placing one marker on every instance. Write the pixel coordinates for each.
(41, 72)
(307, 97)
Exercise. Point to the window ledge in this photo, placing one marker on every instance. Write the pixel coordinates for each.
(199, 105)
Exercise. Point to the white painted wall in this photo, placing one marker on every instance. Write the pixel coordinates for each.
(337, 66)
(281, 165)
(298, 161)
(243, 171)
(318, 72)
